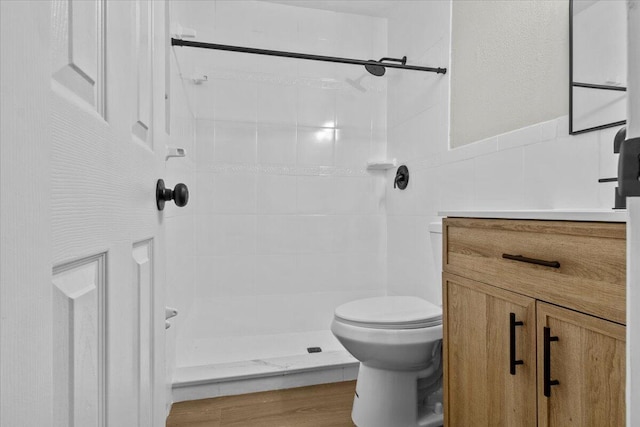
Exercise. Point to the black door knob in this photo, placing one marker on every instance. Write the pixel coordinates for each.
(179, 194)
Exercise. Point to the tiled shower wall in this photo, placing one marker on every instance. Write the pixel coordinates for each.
(418, 106)
(537, 167)
(288, 222)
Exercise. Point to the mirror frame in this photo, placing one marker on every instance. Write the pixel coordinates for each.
(573, 84)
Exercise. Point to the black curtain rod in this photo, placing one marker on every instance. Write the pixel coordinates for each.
(180, 42)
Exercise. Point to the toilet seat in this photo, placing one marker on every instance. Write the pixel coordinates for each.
(390, 312)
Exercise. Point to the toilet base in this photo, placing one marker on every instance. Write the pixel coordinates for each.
(390, 398)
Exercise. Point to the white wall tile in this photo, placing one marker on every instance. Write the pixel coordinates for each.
(361, 272)
(548, 130)
(277, 274)
(277, 194)
(276, 144)
(520, 137)
(315, 195)
(321, 233)
(498, 179)
(211, 61)
(227, 193)
(316, 146)
(235, 142)
(412, 93)
(277, 103)
(366, 234)
(458, 185)
(562, 173)
(470, 151)
(316, 107)
(277, 28)
(220, 276)
(421, 195)
(218, 235)
(318, 271)
(317, 31)
(235, 100)
(238, 31)
(412, 271)
(352, 147)
(278, 234)
(354, 107)
(205, 141)
(353, 195)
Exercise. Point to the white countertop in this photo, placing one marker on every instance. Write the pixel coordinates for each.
(608, 215)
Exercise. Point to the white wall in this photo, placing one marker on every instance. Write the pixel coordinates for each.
(288, 223)
(418, 106)
(510, 66)
(536, 167)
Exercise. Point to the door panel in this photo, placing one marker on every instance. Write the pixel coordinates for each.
(477, 354)
(143, 282)
(588, 361)
(143, 72)
(78, 49)
(78, 326)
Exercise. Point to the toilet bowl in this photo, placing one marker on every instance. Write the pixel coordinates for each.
(397, 340)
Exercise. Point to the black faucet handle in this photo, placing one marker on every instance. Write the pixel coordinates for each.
(402, 178)
(620, 137)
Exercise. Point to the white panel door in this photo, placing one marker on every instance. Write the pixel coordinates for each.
(107, 121)
(82, 240)
(633, 224)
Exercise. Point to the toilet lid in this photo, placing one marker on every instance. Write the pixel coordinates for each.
(391, 312)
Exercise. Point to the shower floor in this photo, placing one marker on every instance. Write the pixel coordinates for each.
(238, 365)
(234, 349)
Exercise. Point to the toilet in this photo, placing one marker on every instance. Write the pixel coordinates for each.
(398, 341)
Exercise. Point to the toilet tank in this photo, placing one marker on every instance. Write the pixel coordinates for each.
(435, 233)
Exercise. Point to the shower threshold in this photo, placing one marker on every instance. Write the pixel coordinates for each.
(225, 379)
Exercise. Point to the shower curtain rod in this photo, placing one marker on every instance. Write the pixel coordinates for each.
(180, 42)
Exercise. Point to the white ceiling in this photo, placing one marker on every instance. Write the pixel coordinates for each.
(379, 8)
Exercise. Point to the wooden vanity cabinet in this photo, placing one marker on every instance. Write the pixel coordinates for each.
(588, 361)
(496, 311)
(480, 386)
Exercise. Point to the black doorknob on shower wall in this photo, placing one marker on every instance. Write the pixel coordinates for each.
(402, 178)
(179, 194)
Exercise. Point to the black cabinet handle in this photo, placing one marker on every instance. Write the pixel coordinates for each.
(548, 382)
(512, 343)
(520, 258)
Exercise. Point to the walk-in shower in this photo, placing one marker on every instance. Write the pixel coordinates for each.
(285, 222)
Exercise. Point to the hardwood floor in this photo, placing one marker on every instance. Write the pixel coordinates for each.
(317, 406)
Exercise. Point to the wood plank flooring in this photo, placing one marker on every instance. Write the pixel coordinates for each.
(317, 406)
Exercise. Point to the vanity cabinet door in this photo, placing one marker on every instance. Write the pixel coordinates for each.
(480, 388)
(586, 356)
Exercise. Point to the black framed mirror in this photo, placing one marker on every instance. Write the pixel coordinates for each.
(597, 64)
